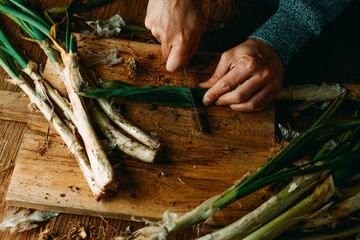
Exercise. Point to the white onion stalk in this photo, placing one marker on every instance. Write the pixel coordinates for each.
(268, 210)
(127, 126)
(69, 138)
(340, 210)
(122, 142)
(171, 224)
(100, 164)
(297, 213)
(104, 104)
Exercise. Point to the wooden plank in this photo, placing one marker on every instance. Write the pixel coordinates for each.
(53, 181)
(193, 162)
(14, 106)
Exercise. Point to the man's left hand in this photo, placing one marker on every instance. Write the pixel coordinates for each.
(247, 77)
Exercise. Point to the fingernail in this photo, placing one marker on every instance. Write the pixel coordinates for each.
(207, 101)
(217, 103)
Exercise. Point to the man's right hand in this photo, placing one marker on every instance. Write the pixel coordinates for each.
(178, 25)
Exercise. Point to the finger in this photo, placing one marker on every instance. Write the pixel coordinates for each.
(242, 93)
(221, 69)
(165, 49)
(193, 50)
(228, 82)
(257, 102)
(177, 57)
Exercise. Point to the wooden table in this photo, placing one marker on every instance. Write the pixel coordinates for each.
(331, 58)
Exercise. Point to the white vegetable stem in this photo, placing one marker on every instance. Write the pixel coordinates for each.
(268, 210)
(123, 143)
(120, 120)
(100, 165)
(65, 133)
(171, 224)
(340, 210)
(127, 126)
(295, 214)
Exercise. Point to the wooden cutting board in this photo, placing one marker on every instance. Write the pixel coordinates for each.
(190, 168)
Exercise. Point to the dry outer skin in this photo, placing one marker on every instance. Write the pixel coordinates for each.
(65, 133)
(100, 165)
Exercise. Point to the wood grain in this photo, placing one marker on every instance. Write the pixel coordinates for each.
(193, 162)
(15, 106)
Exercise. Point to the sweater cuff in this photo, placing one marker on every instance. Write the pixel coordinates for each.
(286, 32)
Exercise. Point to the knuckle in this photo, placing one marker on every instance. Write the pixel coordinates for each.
(213, 96)
(182, 38)
(240, 97)
(215, 76)
(267, 74)
(225, 85)
(255, 106)
(225, 57)
(251, 63)
(163, 36)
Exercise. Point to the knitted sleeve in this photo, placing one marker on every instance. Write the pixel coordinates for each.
(295, 22)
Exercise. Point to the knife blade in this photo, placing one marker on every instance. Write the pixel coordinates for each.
(192, 100)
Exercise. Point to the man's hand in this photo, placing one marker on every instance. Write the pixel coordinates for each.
(247, 77)
(178, 25)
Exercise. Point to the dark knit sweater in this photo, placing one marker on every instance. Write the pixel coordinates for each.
(295, 22)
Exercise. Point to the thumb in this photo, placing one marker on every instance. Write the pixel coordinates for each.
(177, 57)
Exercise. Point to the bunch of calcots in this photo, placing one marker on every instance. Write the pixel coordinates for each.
(58, 43)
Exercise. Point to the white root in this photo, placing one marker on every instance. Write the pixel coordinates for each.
(21, 219)
(65, 133)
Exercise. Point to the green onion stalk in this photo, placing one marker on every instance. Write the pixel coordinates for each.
(306, 143)
(268, 210)
(174, 96)
(53, 47)
(62, 53)
(306, 207)
(66, 134)
(259, 218)
(295, 214)
(100, 165)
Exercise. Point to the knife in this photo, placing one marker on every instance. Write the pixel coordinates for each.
(192, 100)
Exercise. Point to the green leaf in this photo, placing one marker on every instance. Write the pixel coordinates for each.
(164, 96)
(113, 84)
(69, 13)
(28, 19)
(7, 64)
(29, 12)
(18, 58)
